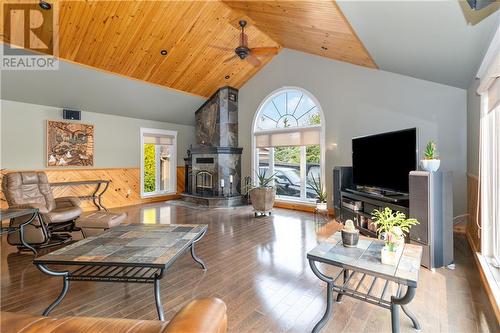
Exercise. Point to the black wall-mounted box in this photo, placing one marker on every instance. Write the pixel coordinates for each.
(71, 114)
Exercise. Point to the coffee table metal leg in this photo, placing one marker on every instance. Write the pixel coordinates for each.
(409, 314)
(403, 301)
(159, 306)
(395, 318)
(195, 257)
(63, 291)
(329, 297)
(346, 275)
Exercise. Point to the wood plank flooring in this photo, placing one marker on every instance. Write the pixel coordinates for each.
(259, 268)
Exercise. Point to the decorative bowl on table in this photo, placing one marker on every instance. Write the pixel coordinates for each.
(350, 235)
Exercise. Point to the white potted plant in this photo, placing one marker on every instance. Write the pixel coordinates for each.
(350, 235)
(431, 161)
(262, 194)
(392, 227)
(319, 189)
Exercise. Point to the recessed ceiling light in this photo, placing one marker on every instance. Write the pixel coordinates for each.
(44, 5)
(163, 52)
(227, 77)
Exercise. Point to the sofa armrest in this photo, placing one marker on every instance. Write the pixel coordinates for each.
(206, 315)
(67, 202)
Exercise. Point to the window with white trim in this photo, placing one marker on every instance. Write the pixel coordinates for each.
(489, 176)
(288, 141)
(158, 162)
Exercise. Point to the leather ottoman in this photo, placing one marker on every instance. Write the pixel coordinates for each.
(96, 222)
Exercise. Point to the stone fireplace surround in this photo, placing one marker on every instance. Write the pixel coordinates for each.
(216, 157)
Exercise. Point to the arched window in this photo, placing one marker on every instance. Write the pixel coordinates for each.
(288, 139)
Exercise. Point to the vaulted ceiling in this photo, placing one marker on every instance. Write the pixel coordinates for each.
(316, 27)
(126, 37)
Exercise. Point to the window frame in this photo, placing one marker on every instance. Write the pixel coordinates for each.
(255, 150)
(173, 161)
(488, 170)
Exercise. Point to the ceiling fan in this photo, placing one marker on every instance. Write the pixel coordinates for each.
(243, 52)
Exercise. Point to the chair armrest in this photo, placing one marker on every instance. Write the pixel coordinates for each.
(206, 315)
(67, 202)
(41, 208)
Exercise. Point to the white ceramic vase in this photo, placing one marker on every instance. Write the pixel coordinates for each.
(390, 257)
(430, 165)
(321, 206)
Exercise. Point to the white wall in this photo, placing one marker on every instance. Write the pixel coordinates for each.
(117, 143)
(473, 116)
(360, 101)
(77, 87)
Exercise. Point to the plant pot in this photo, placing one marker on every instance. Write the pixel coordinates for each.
(321, 206)
(350, 238)
(263, 198)
(430, 165)
(389, 257)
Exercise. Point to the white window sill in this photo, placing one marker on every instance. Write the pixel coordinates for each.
(296, 201)
(492, 276)
(157, 194)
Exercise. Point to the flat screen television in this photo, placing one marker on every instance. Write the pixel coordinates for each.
(383, 161)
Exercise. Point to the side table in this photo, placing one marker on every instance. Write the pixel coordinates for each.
(10, 213)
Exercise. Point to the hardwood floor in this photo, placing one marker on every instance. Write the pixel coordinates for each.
(259, 268)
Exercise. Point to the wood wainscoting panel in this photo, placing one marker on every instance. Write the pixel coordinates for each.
(472, 229)
(124, 189)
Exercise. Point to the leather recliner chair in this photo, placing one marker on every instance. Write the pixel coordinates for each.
(32, 190)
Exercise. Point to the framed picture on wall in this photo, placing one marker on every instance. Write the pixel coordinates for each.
(69, 144)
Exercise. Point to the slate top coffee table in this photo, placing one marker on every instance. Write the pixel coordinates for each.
(130, 253)
(365, 278)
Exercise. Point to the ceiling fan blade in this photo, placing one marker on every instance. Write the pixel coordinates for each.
(264, 51)
(222, 48)
(253, 60)
(230, 59)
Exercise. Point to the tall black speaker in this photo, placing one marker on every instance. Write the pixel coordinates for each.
(431, 203)
(342, 180)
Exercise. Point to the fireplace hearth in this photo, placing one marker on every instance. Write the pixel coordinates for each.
(213, 164)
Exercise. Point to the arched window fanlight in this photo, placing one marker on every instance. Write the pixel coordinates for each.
(290, 108)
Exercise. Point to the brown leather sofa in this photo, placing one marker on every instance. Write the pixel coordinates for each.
(32, 190)
(207, 315)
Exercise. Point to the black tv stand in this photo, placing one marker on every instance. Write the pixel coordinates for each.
(359, 206)
(386, 196)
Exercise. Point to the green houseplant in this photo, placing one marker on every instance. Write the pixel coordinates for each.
(431, 161)
(319, 190)
(392, 227)
(262, 193)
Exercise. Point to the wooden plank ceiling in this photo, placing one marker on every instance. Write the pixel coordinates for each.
(316, 27)
(126, 37)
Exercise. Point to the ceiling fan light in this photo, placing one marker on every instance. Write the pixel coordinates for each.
(44, 5)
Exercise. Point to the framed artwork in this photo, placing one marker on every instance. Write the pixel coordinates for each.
(69, 144)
